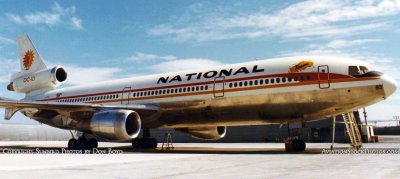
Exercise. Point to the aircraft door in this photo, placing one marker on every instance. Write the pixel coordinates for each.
(126, 93)
(323, 77)
(219, 83)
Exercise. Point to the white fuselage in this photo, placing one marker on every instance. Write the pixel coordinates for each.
(258, 92)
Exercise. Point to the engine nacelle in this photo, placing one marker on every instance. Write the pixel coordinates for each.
(48, 78)
(205, 133)
(117, 125)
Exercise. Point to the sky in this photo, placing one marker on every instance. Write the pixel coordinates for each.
(103, 40)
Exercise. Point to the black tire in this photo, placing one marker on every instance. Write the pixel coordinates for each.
(153, 143)
(82, 144)
(136, 143)
(299, 145)
(92, 143)
(72, 144)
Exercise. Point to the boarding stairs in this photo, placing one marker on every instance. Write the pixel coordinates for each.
(352, 130)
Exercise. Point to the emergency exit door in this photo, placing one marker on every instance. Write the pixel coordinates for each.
(125, 95)
(323, 77)
(219, 84)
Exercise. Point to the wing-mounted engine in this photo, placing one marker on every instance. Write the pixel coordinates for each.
(205, 133)
(116, 125)
(48, 78)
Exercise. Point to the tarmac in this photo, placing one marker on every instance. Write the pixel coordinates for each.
(50, 159)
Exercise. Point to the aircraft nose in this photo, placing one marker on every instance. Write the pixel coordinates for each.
(389, 85)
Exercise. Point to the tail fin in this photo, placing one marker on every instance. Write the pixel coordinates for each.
(30, 59)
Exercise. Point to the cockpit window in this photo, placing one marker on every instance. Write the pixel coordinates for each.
(353, 70)
(364, 69)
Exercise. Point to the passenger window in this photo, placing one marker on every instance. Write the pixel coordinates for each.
(202, 87)
(230, 85)
(197, 88)
(235, 84)
(266, 81)
(301, 78)
(184, 90)
(245, 83)
(255, 82)
(308, 77)
(240, 84)
(278, 80)
(261, 82)
(206, 87)
(284, 80)
(251, 83)
(272, 81)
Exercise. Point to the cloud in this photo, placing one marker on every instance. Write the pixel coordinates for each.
(184, 64)
(76, 23)
(337, 44)
(85, 75)
(56, 16)
(342, 43)
(148, 57)
(167, 63)
(312, 18)
(8, 67)
(4, 40)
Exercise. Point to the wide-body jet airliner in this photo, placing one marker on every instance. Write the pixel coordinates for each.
(201, 102)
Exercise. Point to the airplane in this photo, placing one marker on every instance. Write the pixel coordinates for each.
(200, 102)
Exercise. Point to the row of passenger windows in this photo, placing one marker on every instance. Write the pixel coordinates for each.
(269, 81)
(139, 94)
(191, 89)
(170, 91)
(92, 98)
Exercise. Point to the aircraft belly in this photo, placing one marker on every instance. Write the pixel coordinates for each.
(267, 108)
(241, 110)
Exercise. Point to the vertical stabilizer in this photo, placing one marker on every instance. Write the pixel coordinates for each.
(30, 59)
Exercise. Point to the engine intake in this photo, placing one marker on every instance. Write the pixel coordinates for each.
(48, 78)
(205, 133)
(116, 125)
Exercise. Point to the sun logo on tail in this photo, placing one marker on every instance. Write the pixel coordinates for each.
(28, 59)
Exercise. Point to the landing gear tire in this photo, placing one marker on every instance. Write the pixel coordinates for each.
(92, 143)
(295, 145)
(82, 144)
(72, 144)
(145, 143)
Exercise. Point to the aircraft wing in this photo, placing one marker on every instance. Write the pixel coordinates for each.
(13, 106)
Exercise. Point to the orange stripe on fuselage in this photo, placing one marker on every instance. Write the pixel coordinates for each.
(238, 89)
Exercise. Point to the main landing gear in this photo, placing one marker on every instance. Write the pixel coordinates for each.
(146, 142)
(82, 143)
(294, 143)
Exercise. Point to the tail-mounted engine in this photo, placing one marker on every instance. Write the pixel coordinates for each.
(48, 78)
(205, 133)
